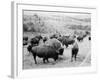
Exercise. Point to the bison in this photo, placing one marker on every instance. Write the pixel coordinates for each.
(55, 36)
(44, 52)
(66, 40)
(38, 37)
(45, 39)
(25, 41)
(25, 38)
(80, 38)
(36, 40)
(75, 50)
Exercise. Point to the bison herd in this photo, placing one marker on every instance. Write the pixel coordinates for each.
(51, 47)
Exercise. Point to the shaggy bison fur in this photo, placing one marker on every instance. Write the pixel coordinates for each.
(54, 43)
(44, 52)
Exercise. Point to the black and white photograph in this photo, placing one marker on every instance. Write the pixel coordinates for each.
(56, 39)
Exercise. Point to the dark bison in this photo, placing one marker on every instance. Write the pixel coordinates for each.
(35, 40)
(45, 39)
(25, 38)
(25, 41)
(55, 36)
(75, 50)
(38, 37)
(66, 40)
(80, 38)
(44, 52)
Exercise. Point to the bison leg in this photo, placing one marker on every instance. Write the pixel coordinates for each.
(76, 54)
(35, 59)
(72, 58)
(73, 53)
(55, 58)
(47, 60)
(75, 57)
(43, 60)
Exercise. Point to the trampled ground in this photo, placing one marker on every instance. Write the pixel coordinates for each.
(83, 58)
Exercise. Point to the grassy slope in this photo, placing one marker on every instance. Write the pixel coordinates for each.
(58, 23)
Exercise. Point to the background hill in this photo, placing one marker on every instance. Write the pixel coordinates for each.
(51, 23)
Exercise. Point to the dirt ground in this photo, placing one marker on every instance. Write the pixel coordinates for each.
(83, 58)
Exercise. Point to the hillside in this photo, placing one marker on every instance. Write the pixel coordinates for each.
(55, 23)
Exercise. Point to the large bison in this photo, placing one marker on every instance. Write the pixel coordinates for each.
(44, 52)
(50, 49)
(75, 50)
